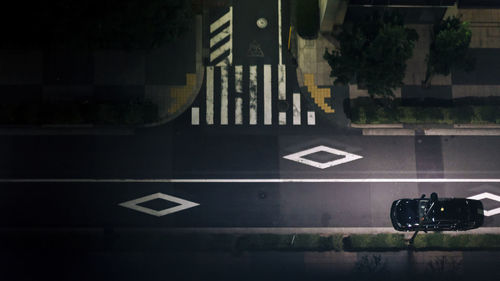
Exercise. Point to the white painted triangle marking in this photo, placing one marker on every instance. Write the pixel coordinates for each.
(297, 157)
(183, 204)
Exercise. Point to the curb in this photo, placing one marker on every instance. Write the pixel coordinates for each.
(303, 230)
(400, 130)
(429, 132)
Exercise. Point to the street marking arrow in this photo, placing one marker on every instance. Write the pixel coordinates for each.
(134, 204)
(298, 157)
(487, 195)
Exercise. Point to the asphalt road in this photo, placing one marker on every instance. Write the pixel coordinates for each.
(195, 155)
(181, 151)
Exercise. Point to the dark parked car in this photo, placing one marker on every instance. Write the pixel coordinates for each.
(436, 214)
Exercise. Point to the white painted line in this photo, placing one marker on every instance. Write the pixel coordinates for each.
(220, 36)
(238, 78)
(210, 95)
(282, 82)
(195, 116)
(388, 132)
(253, 95)
(269, 180)
(238, 114)
(222, 20)
(134, 204)
(298, 157)
(311, 118)
(219, 51)
(280, 44)
(296, 109)
(282, 118)
(267, 95)
(224, 96)
(487, 195)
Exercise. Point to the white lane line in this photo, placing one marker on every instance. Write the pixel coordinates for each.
(270, 180)
(267, 95)
(279, 33)
(238, 114)
(238, 78)
(282, 82)
(210, 95)
(219, 51)
(195, 116)
(253, 95)
(222, 20)
(282, 118)
(220, 36)
(311, 118)
(296, 109)
(224, 96)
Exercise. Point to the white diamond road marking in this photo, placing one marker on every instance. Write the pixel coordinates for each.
(487, 195)
(297, 157)
(133, 204)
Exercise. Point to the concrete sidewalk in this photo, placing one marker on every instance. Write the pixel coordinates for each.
(313, 67)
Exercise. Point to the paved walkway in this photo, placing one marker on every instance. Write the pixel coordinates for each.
(313, 75)
(173, 100)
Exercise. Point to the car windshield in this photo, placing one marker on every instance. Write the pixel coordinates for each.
(407, 212)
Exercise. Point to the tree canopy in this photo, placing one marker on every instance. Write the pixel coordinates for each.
(93, 24)
(449, 48)
(373, 53)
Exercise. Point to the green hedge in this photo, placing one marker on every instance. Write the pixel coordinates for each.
(369, 111)
(307, 18)
(132, 113)
(441, 241)
(237, 243)
(234, 242)
(367, 242)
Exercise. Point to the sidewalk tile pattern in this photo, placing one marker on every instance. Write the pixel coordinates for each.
(318, 94)
(180, 94)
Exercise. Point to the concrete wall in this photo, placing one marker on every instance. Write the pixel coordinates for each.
(332, 12)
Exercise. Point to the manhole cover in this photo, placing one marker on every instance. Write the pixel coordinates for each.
(262, 23)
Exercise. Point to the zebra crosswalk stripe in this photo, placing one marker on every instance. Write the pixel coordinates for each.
(238, 111)
(245, 100)
(224, 96)
(296, 109)
(210, 95)
(267, 95)
(253, 94)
